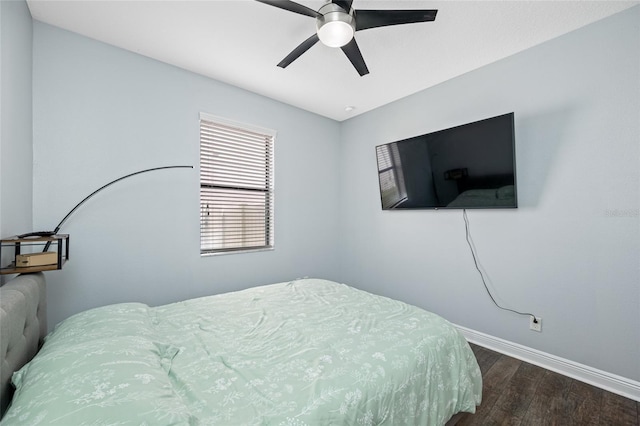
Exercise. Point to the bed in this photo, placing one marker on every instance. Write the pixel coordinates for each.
(305, 352)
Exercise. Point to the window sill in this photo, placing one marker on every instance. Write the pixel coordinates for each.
(223, 253)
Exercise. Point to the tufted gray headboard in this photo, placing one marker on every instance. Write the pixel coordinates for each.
(23, 325)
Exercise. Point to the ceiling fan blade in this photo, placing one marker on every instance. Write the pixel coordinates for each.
(295, 54)
(352, 51)
(292, 7)
(379, 18)
(344, 4)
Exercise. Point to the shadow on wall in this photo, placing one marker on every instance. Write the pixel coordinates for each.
(538, 141)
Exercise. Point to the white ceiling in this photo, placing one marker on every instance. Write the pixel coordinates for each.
(241, 41)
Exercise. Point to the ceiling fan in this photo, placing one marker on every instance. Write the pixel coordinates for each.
(337, 23)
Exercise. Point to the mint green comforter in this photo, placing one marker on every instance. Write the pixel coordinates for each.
(308, 352)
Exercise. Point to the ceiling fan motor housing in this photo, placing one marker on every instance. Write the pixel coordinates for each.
(336, 26)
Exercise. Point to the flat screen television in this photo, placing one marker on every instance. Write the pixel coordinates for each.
(471, 166)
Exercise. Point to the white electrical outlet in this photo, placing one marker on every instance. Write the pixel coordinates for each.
(535, 323)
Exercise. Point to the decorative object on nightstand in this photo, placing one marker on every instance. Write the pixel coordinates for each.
(26, 259)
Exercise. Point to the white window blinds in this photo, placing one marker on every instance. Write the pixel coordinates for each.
(236, 186)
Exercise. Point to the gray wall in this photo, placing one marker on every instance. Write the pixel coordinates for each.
(101, 112)
(16, 159)
(571, 252)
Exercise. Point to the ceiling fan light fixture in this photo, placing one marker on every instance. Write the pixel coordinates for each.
(335, 33)
(335, 27)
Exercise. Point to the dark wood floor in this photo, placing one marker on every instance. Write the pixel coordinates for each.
(517, 393)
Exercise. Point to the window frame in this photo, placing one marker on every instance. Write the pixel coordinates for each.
(269, 167)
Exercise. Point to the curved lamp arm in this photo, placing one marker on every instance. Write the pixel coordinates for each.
(64, 219)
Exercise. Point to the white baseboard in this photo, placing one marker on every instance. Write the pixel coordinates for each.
(601, 379)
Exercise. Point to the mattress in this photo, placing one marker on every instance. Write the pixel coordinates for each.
(306, 352)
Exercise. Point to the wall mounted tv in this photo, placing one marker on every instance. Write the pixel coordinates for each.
(471, 166)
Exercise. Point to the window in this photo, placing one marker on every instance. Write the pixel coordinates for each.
(390, 174)
(236, 186)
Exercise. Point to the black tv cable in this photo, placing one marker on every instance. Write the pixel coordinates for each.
(475, 262)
